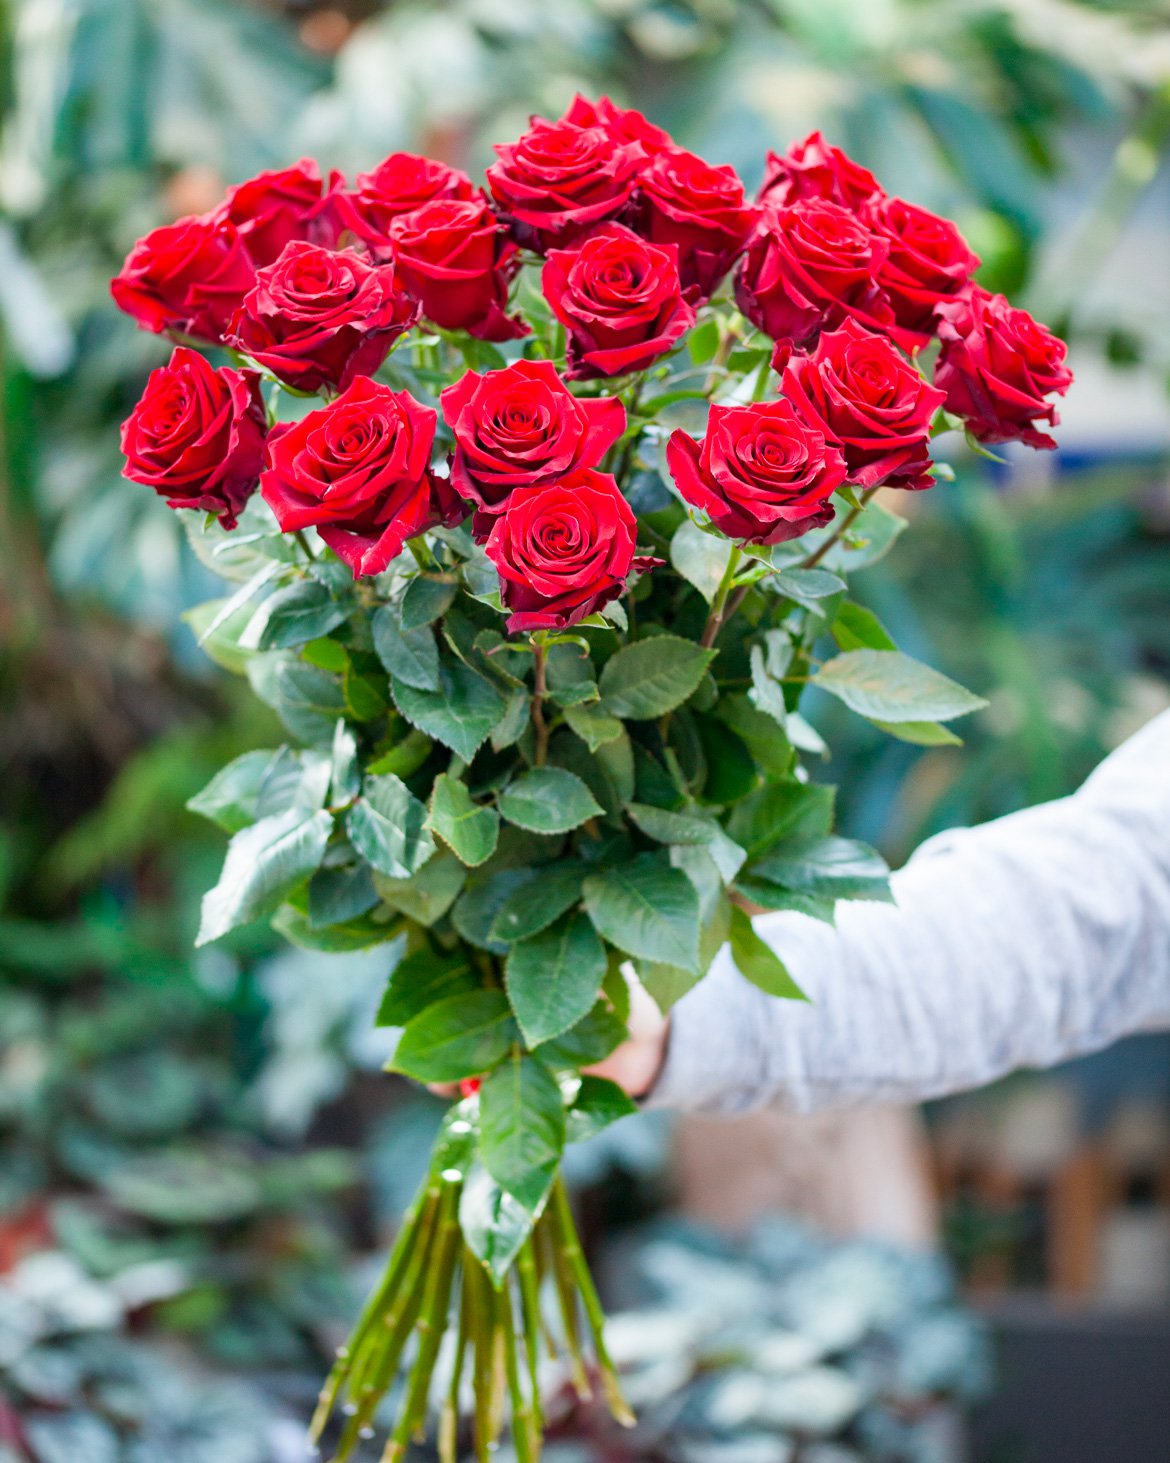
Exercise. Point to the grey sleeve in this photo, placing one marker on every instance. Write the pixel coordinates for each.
(1020, 943)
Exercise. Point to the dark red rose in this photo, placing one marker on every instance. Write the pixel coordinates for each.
(319, 318)
(273, 209)
(815, 168)
(872, 403)
(619, 298)
(455, 258)
(520, 426)
(399, 184)
(559, 181)
(761, 473)
(188, 276)
(357, 470)
(197, 435)
(809, 267)
(563, 550)
(623, 124)
(996, 367)
(927, 259)
(699, 208)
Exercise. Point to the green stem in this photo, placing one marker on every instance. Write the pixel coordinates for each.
(449, 1420)
(299, 535)
(483, 1336)
(530, 1311)
(567, 1300)
(523, 1438)
(539, 691)
(719, 605)
(839, 532)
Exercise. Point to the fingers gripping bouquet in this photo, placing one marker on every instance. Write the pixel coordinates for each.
(560, 487)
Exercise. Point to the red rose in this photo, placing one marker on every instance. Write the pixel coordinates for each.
(358, 470)
(272, 209)
(996, 367)
(623, 124)
(815, 168)
(867, 399)
(563, 550)
(927, 260)
(457, 261)
(808, 268)
(197, 435)
(520, 426)
(761, 473)
(619, 298)
(684, 201)
(560, 180)
(317, 317)
(401, 183)
(187, 276)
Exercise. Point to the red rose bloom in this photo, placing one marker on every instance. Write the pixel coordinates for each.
(520, 426)
(401, 183)
(808, 268)
(996, 367)
(272, 209)
(761, 474)
(623, 124)
(560, 180)
(187, 276)
(563, 550)
(358, 470)
(927, 259)
(815, 168)
(197, 435)
(456, 260)
(619, 298)
(318, 318)
(867, 399)
(684, 201)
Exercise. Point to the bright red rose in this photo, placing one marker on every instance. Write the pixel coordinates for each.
(399, 184)
(319, 318)
(815, 168)
(457, 261)
(761, 474)
(623, 124)
(699, 208)
(996, 367)
(559, 181)
(619, 298)
(197, 435)
(273, 209)
(520, 426)
(358, 471)
(563, 550)
(873, 404)
(927, 259)
(187, 277)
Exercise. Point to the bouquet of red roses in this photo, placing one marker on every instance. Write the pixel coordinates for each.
(560, 485)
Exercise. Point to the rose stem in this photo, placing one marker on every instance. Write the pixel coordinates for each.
(842, 528)
(530, 1310)
(449, 1420)
(720, 610)
(479, 1299)
(523, 1438)
(568, 1307)
(532, 1254)
(539, 687)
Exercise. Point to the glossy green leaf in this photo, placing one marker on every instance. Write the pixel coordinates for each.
(920, 733)
(460, 1036)
(599, 1102)
(553, 978)
(547, 800)
(591, 1040)
(539, 901)
(521, 1128)
(808, 586)
(856, 628)
(232, 796)
(651, 677)
(411, 656)
(779, 811)
(594, 727)
(263, 864)
(758, 962)
(291, 616)
(461, 714)
(387, 827)
(426, 598)
(700, 557)
(307, 699)
(648, 909)
(469, 829)
(421, 979)
(427, 895)
(340, 894)
(665, 984)
(839, 868)
(889, 686)
(665, 826)
(494, 1224)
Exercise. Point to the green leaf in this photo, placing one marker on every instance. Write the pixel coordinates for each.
(459, 1036)
(700, 557)
(340, 894)
(365, 699)
(428, 895)
(807, 586)
(514, 722)
(307, 699)
(291, 616)
(333, 939)
(869, 538)
(221, 644)
(410, 656)
(666, 985)
(461, 714)
(772, 896)
(767, 745)
(758, 962)
(422, 979)
(406, 756)
(263, 864)
(522, 1128)
(766, 695)
(344, 777)
(594, 727)
(651, 677)
(856, 628)
(780, 811)
(547, 800)
(425, 599)
(553, 978)
(667, 827)
(470, 830)
(591, 1040)
(494, 1224)
(648, 909)
(599, 1102)
(330, 655)
(387, 827)
(232, 796)
(838, 868)
(920, 733)
(888, 686)
(538, 902)
(703, 342)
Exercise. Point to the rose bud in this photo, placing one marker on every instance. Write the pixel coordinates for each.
(815, 168)
(188, 277)
(520, 426)
(274, 209)
(623, 124)
(197, 435)
(457, 261)
(319, 318)
(699, 208)
(619, 298)
(996, 366)
(399, 184)
(761, 474)
(563, 550)
(559, 181)
(357, 470)
(872, 403)
(927, 259)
